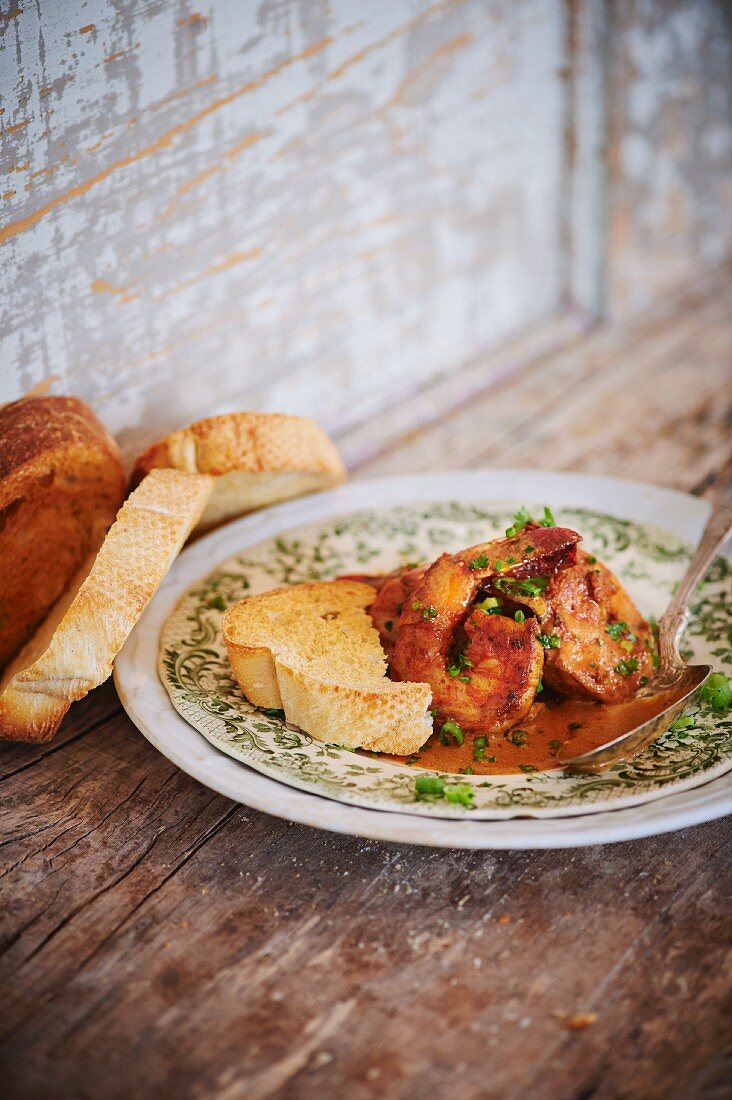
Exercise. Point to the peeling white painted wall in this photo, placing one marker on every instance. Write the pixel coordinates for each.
(301, 205)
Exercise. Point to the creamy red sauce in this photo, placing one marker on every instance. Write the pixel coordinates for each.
(533, 743)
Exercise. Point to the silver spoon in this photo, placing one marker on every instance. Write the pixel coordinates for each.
(673, 675)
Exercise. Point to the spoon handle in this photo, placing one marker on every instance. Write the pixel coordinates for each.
(716, 532)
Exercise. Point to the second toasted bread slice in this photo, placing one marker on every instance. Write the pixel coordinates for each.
(312, 651)
(256, 458)
(73, 650)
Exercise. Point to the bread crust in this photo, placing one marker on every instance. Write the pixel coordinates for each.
(274, 457)
(61, 484)
(67, 658)
(312, 651)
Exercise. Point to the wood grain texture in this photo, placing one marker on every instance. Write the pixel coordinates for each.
(626, 400)
(669, 186)
(157, 940)
(291, 206)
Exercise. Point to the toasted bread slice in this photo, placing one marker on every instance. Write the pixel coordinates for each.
(73, 650)
(312, 651)
(61, 483)
(256, 458)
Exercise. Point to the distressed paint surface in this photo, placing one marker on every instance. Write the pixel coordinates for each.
(304, 206)
(321, 206)
(670, 146)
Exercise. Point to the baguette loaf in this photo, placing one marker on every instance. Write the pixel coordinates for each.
(312, 651)
(73, 650)
(256, 458)
(61, 483)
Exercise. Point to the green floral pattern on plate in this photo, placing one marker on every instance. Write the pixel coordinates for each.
(196, 673)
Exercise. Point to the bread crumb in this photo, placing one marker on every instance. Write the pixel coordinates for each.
(577, 1022)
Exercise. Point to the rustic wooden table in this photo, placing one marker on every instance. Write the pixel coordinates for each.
(158, 940)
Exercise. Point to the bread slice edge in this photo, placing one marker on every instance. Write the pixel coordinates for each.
(73, 650)
(336, 689)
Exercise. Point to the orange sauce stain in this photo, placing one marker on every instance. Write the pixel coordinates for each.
(196, 181)
(194, 19)
(16, 126)
(101, 286)
(213, 269)
(9, 194)
(43, 172)
(532, 744)
(163, 142)
(392, 36)
(252, 139)
(404, 28)
(444, 51)
(98, 144)
(86, 29)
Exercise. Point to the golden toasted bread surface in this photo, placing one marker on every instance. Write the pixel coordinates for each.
(257, 459)
(61, 483)
(313, 651)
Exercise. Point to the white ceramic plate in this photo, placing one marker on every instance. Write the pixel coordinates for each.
(149, 706)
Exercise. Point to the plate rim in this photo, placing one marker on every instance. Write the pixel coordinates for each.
(562, 489)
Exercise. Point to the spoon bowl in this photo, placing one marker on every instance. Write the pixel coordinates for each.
(680, 687)
(675, 683)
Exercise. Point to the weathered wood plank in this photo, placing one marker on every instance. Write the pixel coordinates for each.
(158, 940)
(669, 147)
(626, 401)
(234, 976)
(287, 195)
(99, 706)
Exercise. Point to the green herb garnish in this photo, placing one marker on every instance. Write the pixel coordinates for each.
(550, 641)
(430, 787)
(461, 794)
(519, 616)
(615, 630)
(717, 692)
(627, 667)
(532, 586)
(684, 723)
(520, 520)
(450, 727)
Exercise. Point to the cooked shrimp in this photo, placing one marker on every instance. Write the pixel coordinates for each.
(393, 593)
(600, 646)
(484, 669)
